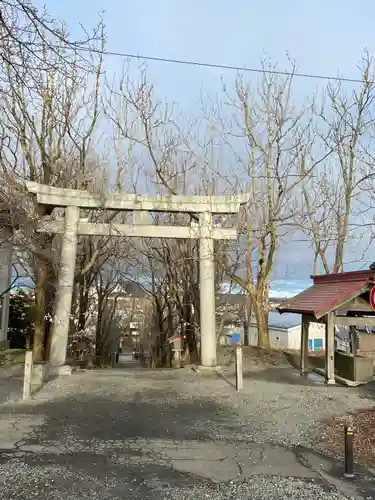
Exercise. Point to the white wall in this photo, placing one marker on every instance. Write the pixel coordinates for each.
(5, 278)
(283, 338)
(278, 337)
(316, 331)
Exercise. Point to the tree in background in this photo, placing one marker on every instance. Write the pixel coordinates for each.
(262, 129)
(335, 195)
(26, 31)
(46, 128)
(21, 319)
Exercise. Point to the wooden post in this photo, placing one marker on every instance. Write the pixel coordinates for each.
(330, 349)
(27, 375)
(304, 362)
(239, 368)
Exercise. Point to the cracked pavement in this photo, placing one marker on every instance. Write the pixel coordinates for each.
(163, 435)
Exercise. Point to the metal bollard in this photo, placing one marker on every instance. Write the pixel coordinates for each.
(348, 457)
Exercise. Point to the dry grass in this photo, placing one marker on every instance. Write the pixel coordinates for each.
(363, 422)
(274, 357)
(252, 355)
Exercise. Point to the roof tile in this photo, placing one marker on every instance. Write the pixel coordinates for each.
(327, 291)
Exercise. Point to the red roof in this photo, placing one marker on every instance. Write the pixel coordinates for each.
(175, 338)
(328, 291)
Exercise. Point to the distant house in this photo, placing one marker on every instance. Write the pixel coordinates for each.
(132, 300)
(285, 332)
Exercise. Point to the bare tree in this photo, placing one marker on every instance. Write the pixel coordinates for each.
(263, 130)
(45, 129)
(151, 153)
(333, 198)
(26, 31)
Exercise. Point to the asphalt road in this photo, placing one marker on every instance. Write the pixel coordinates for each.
(11, 381)
(156, 435)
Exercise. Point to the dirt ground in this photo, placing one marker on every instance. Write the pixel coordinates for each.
(333, 435)
(363, 422)
(268, 357)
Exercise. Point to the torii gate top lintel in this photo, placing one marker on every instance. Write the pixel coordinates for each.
(62, 197)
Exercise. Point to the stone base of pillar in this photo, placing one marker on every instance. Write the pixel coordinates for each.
(39, 373)
(208, 369)
(57, 371)
(330, 381)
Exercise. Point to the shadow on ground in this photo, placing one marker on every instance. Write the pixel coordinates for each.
(368, 391)
(85, 476)
(314, 361)
(148, 414)
(284, 375)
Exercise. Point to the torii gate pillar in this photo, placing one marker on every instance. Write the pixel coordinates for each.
(64, 291)
(207, 291)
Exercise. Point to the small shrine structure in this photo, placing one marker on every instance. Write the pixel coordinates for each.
(338, 299)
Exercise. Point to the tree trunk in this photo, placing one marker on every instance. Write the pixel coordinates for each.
(189, 330)
(261, 315)
(50, 293)
(42, 275)
(261, 309)
(99, 337)
(246, 333)
(83, 306)
(191, 338)
(247, 318)
(41, 283)
(339, 256)
(160, 337)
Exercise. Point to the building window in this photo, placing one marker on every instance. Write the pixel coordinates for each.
(318, 344)
(310, 344)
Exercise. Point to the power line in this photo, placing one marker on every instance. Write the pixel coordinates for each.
(220, 66)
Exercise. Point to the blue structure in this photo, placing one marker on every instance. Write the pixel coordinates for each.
(234, 338)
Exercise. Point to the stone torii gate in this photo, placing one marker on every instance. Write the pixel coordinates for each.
(140, 205)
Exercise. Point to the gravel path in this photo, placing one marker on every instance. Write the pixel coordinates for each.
(174, 435)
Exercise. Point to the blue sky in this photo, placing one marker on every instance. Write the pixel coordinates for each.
(322, 37)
